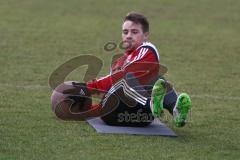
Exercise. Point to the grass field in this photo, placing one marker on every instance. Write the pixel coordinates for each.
(199, 42)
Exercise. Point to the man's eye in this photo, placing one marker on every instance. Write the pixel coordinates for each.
(135, 32)
(125, 32)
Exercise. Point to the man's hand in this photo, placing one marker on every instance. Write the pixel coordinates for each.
(77, 88)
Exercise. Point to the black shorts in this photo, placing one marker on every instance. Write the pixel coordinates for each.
(130, 106)
(124, 114)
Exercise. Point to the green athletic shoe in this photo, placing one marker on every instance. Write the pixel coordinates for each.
(181, 109)
(157, 96)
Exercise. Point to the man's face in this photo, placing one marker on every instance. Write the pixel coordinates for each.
(132, 35)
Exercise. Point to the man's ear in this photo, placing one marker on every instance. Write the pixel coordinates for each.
(146, 35)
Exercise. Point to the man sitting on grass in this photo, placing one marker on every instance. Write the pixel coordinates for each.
(135, 84)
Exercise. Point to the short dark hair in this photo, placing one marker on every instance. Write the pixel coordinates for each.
(138, 18)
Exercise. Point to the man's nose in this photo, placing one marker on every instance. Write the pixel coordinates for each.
(129, 35)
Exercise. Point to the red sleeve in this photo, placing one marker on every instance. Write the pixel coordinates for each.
(101, 85)
(144, 69)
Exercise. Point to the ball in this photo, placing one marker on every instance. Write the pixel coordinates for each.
(67, 108)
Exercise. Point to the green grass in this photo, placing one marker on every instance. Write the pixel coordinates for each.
(198, 40)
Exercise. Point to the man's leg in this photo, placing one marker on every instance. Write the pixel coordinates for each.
(170, 100)
(164, 96)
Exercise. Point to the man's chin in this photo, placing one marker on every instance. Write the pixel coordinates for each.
(128, 46)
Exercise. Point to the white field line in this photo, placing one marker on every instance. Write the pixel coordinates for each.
(217, 97)
(200, 96)
(30, 87)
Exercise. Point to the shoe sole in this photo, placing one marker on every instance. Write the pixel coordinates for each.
(158, 93)
(183, 107)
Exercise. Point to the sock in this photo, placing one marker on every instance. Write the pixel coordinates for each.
(170, 100)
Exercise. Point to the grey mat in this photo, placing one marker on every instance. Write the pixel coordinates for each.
(156, 128)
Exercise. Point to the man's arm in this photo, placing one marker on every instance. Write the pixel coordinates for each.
(145, 69)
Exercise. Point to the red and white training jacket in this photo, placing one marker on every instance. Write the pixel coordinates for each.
(143, 63)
